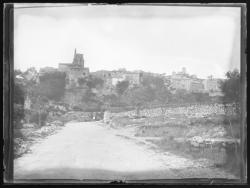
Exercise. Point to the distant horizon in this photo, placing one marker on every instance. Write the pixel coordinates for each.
(157, 39)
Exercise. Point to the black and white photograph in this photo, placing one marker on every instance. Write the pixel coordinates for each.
(127, 92)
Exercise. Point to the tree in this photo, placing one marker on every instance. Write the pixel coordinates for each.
(90, 100)
(82, 81)
(153, 82)
(91, 81)
(109, 100)
(39, 109)
(158, 88)
(163, 96)
(201, 97)
(139, 97)
(180, 96)
(18, 103)
(88, 96)
(95, 82)
(121, 87)
(231, 89)
(52, 85)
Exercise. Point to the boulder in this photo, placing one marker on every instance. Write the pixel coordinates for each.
(57, 123)
(29, 125)
(196, 141)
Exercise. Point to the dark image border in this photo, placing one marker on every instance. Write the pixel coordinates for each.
(8, 83)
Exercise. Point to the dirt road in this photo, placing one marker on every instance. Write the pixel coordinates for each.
(89, 150)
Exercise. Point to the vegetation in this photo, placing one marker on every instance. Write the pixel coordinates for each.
(18, 103)
(52, 85)
(231, 89)
(163, 96)
(91, 82)
(121, 87)
(154, 91)
(231, 99)
(138, 97)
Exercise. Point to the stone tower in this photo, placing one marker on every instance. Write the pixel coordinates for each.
(78, 59)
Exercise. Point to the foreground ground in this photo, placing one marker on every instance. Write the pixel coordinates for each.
(91, 150)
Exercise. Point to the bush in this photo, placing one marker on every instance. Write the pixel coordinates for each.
(77, 108)
(18, 115)
(52, 85)
(18, 100)
(120, 121)
(35, 118)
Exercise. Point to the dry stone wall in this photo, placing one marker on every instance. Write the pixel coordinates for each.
(190, 111)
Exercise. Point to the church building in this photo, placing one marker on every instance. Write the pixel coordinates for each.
(74, 70)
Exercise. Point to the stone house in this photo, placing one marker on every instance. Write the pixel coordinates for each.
(182, 80)
(111, 78)
(212, 86)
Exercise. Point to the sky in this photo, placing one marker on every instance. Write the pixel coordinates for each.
(159, 39)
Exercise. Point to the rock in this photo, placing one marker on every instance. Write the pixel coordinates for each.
(29, 125)
(195, 144)
(20, 147)
(196, 141)
(57, 123)
(76, 116)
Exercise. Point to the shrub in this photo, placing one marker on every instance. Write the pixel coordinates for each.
(52, 85)
(77, 108)
(35, 118)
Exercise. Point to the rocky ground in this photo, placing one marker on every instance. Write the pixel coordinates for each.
(206, 138)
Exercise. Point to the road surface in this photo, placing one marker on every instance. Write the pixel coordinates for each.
(90, 150)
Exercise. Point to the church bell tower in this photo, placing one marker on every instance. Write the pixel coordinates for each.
(78, 59)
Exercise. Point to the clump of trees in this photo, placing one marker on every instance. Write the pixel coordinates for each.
(91, 82)
(231, 99)
(121, 87)
(152, 90)
(231, 90)
(18, 101)
(181, 96)
(51, 85)
(138, 97)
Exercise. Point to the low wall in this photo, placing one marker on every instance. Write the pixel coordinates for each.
(191, 111)
(76, 116)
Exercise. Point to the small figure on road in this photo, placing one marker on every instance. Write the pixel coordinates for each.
(94, 115)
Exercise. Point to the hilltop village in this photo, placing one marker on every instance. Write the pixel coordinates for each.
(77, 71)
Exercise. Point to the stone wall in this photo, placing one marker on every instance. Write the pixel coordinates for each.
(76, 116)
(191, 111)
